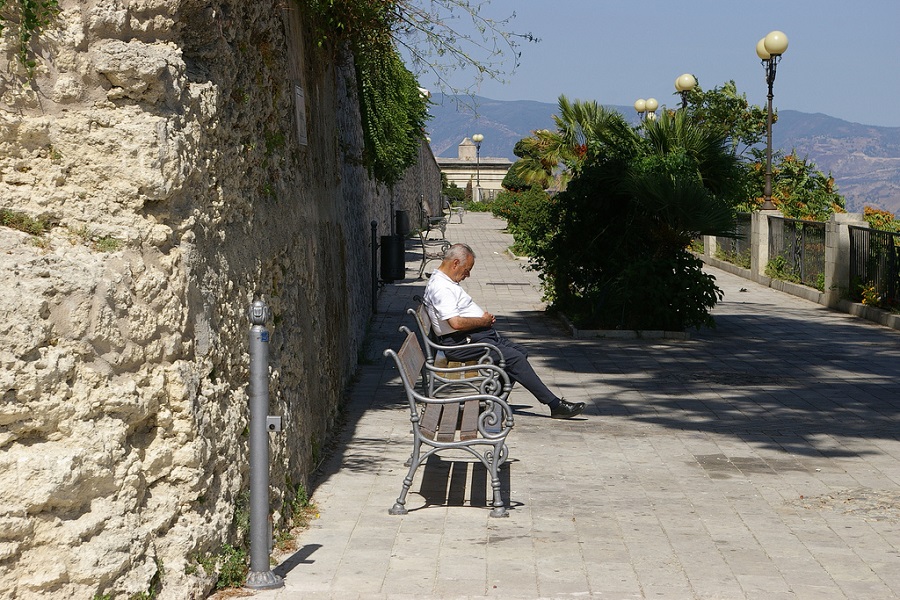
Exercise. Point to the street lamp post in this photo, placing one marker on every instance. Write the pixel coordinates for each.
(769, 50)
(478, 138)
(652, 105)
(640, 105)
(684, 84)
(646, 109)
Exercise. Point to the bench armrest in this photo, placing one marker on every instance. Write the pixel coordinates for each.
(492, 379)
(484, 359)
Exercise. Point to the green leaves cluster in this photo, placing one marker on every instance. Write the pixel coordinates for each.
(881, 219)
(799, 189)
(25, 19)
(337, 21)
(612, 248)
(393, 110)
(724, 109)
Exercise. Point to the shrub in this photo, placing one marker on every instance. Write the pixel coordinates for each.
(613, 247)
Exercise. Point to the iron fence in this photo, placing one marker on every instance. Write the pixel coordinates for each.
(736, 250)
(797, 251)
(875, 266)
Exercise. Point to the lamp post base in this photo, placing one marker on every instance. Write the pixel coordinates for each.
(263, 580)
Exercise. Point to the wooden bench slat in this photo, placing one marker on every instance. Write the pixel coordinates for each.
(468, 428)
(449, 419)
(411, 357)
(428, 424)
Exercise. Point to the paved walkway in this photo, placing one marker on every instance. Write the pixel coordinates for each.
(757, 460)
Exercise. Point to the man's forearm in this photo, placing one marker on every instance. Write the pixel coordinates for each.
(469, 323)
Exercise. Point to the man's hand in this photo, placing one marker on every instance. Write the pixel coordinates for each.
(469, 323)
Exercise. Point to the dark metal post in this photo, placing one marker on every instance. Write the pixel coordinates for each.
(391, 214)
(374, 267)
(260, 576)
(770, 64)
(478, 164)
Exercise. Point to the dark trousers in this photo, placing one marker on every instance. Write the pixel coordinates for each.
(517, 366)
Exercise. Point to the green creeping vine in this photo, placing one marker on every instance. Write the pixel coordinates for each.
(26, 19)
(393, 111)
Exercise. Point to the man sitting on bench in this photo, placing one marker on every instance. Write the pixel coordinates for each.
(457, 321)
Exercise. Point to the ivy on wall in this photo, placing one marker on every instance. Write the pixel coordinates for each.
(25, 19)
(393, 112)
(392, 108)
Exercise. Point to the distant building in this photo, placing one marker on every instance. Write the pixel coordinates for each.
(486, 171)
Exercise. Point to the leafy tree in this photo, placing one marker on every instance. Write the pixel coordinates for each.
(614, 253)
(799, 189)
(451, 190)
(881, 219)
(514, 182)
(724, 109)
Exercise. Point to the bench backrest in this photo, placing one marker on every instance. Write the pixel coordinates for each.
(423, 322)
(410, 359)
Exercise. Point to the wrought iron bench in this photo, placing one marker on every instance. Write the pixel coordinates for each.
(431, 250)
(439, 380)
(459, 211)
(439, 221)
(461, 422)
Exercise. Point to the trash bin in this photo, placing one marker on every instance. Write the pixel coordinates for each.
(401, 223)
(393, 263)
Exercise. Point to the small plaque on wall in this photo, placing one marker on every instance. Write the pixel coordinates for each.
(300, 112)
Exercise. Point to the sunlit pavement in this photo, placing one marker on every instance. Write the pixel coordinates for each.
(756, 460)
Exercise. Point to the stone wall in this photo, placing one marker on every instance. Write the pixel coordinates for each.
(165, 141)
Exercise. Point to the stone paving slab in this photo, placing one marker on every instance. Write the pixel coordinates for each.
(759, 459)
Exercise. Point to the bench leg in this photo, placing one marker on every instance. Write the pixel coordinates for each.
(399, 507)
(496, 459)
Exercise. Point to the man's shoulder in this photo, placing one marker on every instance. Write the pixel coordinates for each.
(439, 281)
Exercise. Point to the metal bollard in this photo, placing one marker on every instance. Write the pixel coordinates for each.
(260, 576)
(374, 267)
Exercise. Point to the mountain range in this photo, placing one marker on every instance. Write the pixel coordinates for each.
(863, 159)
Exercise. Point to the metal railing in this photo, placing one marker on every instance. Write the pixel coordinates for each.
(797, 250)
(736, 250)
(875, 265)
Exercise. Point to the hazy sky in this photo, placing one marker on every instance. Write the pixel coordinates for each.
(843, 58)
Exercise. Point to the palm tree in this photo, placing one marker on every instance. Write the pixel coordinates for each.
(583, 129)
(687, 179)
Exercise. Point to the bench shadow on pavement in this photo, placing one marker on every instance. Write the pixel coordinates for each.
(458, 482)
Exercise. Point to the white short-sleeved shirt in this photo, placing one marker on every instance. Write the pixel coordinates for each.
(444, 299)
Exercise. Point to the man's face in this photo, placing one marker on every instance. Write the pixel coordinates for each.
(462, 269)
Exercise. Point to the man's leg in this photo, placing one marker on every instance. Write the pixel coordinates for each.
(517, 366)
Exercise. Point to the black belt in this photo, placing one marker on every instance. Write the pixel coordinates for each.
(457, 337)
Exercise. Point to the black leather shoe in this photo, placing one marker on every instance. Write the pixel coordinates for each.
(566, 410)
